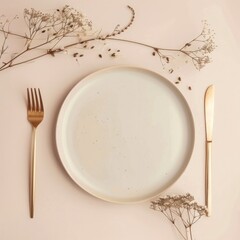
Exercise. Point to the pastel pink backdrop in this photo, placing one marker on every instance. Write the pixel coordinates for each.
(65, 211)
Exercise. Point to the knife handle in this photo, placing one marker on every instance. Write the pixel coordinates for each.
(208, 177)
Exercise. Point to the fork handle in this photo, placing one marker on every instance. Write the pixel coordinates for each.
(208, 177)
(32, 173)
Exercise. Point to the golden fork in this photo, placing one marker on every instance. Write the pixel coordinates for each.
(35, 114)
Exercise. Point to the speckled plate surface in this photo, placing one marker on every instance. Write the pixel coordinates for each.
(125, 134)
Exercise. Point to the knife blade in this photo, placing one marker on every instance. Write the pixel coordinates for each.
(209, 115)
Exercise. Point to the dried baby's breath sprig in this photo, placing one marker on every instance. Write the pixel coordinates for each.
(200, 47)
(3, 26)
(5, 29)
(198, 50)
(43, 30)
(182, 211)
(47, 34)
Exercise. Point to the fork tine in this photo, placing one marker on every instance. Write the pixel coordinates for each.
(28, 101)
(41, 102)
(33, 101)
(36, 98)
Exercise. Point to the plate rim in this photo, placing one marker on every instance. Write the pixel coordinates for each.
(62, 111)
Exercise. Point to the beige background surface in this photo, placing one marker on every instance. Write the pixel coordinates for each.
(63, 210)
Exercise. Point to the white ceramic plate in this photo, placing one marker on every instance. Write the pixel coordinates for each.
(125, 134)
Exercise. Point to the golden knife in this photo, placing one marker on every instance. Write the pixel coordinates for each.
(209, 113)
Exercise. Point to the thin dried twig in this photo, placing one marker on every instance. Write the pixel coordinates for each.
(47, 32)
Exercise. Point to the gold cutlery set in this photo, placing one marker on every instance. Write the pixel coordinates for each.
(35, 115)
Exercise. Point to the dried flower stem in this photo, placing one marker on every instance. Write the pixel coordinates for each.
(182, 211)
(67, 22)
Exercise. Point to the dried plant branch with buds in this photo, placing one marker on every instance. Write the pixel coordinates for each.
(200, 47)
(43, 30)
(182, 211)
(49, 34)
